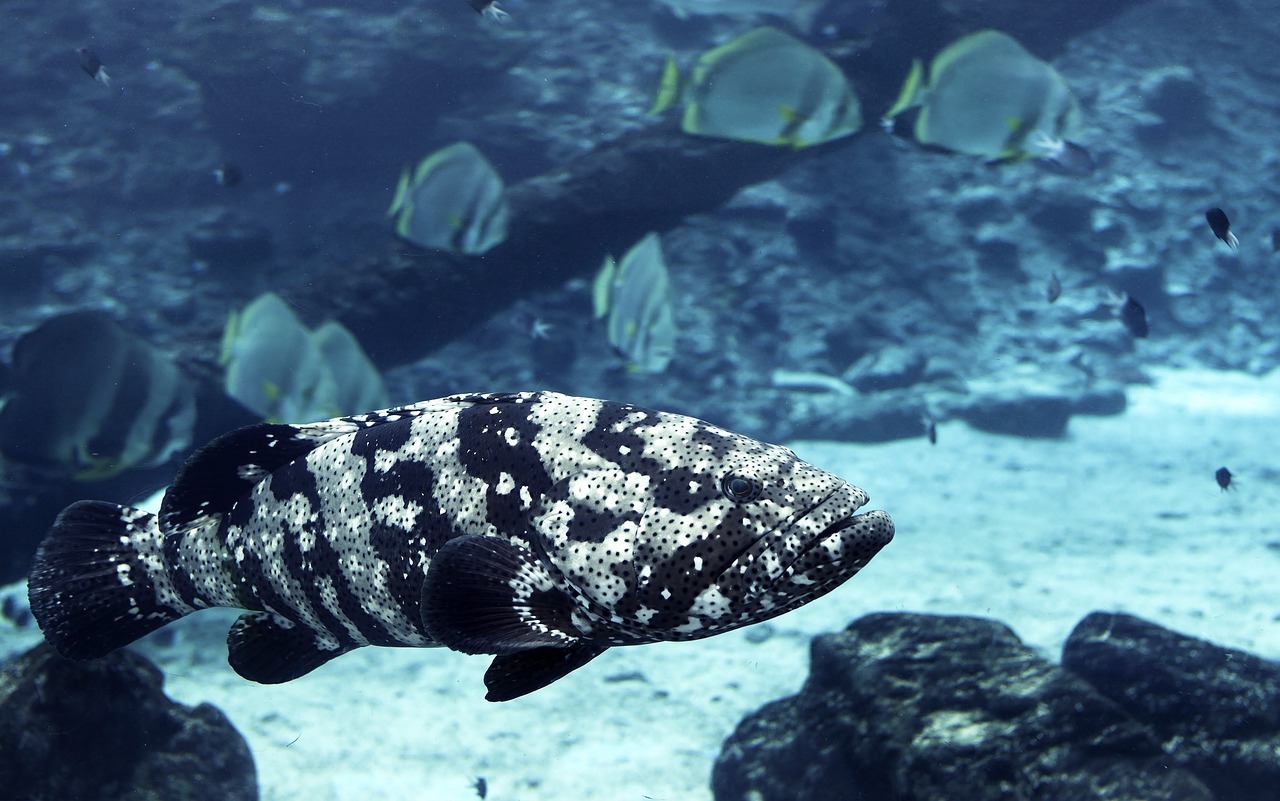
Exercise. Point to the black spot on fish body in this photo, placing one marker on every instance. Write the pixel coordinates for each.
(1221, 227)
(1134, 317)
(1223, 476)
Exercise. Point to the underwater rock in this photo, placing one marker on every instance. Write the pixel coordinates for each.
(882, 417)
(1176, 105)
(1216, 709)
(1021, 412)
(908, 707)
(894, 367)
(26, 265)
(1102, 398)
(104, 730)
(229, 241)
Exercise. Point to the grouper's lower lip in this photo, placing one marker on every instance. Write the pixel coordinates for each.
(873, 520)
(876, 530)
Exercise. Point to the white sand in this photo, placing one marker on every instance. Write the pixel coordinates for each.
(1124, 514)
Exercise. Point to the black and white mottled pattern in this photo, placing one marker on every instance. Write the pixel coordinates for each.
(538, 527)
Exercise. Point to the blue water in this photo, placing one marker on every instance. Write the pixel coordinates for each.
(846, 297)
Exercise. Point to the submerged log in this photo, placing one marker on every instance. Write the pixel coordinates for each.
(403, 302)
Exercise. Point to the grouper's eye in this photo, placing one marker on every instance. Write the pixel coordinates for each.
(740, 488)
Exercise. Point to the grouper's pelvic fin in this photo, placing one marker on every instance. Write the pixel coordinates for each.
(269, 649)
(92, 589)
(514, 675)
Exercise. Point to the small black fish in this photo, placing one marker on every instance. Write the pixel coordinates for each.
(1275, 241)
(1053, 289)
(92, 65)
(1223, 476)
(1134, 317)
(1221, 226)
(227, 174)
(482, 787)
(931, 430)
(15, 612)
(1069, 158)
(490, 9)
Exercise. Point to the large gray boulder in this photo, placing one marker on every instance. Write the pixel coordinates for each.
(105, 731)
(909, 707)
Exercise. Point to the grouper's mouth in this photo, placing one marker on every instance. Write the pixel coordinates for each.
(840, 548)
(876, 527)
(823, 543)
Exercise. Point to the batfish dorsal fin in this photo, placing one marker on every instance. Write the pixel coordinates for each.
(513, 675)
(268, 649)
(487, 595)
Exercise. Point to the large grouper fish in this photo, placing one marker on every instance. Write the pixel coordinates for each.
(538, 527)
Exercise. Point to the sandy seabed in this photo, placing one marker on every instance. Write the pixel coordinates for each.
(1123, 514)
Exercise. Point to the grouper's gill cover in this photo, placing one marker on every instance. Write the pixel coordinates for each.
(537, 527)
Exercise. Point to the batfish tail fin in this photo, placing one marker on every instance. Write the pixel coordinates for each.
(98, 581)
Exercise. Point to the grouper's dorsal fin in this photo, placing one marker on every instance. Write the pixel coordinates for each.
(220, 473)
(487, 595)
(513, 675)
(217, 475)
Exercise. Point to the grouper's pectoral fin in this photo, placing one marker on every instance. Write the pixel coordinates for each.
(268, 649)
(513, 675)
(488, 595)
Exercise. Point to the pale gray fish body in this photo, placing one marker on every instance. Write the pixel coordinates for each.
(537, 527)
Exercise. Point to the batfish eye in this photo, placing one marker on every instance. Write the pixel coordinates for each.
(740, 488)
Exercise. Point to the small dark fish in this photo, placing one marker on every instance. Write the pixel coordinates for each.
(15, 612)
(92, 65)
(930, 429)
(1069, 158)
(482, 787)
(1275, 241)
(1223, 476)
(1053, 289)
(1134, 317)
(1221, 227)
(490, 9)
(227, 174)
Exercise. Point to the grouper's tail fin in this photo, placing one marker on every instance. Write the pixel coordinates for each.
(98, 581)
